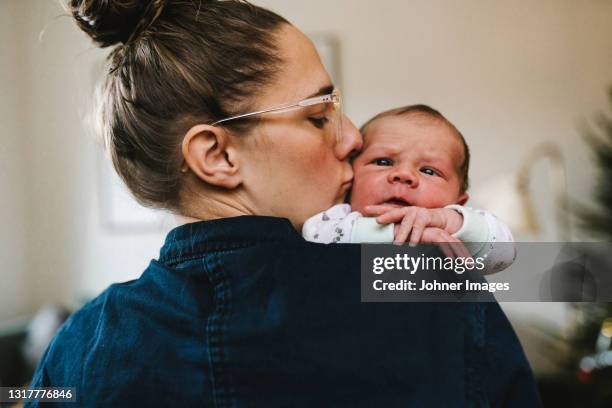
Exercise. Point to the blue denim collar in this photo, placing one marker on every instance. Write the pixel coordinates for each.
(193, 240)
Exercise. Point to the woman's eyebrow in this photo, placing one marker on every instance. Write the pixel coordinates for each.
(327, 89)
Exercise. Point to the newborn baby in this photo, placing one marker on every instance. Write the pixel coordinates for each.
(412, 175)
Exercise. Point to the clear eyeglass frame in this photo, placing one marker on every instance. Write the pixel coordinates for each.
(334, 98)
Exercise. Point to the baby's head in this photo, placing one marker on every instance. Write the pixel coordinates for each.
(411, 156)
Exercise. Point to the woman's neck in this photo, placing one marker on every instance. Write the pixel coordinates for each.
(213, 206)
(183, 219)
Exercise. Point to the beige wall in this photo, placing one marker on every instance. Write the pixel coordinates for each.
(14, 293)
(53, 247)
(509, 74)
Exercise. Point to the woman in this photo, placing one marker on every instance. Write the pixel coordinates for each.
(222, 112)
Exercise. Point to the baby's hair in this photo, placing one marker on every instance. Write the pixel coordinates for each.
(429, 112)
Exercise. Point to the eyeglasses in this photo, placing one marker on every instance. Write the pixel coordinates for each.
(335, 115)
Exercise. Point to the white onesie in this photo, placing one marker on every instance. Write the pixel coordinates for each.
(481, 232)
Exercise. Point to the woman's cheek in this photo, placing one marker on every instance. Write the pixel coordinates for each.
(326, 165)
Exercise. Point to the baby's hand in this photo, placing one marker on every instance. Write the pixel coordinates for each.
(413, 221)
(451, 247)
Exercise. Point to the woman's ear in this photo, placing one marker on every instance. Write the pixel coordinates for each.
(463, 198)
(209, 155)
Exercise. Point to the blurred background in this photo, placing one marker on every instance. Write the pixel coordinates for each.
(522, 80)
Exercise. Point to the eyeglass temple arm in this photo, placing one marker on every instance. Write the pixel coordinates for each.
(306, 102)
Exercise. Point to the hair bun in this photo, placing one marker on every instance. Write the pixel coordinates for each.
(109, 22)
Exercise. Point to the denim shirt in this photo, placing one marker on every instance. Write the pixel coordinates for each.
(242, 312)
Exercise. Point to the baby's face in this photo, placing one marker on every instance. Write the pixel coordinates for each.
(408, 160)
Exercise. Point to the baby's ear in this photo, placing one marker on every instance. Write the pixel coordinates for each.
(463, 198)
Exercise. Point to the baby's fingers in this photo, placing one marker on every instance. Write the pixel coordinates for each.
(394, 215)
(442, 238)
(455, 245)
(459, 249)
(404, 229)
(374, 210)
(432, 235)
(451, 247)
(418, 228)
(446, 249)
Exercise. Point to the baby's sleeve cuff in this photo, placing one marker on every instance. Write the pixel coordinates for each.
(474, 231)
(367, 230)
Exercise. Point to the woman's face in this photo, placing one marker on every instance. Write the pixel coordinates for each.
(293, 166)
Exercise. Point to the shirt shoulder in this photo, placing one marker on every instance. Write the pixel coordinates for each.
(132, 330)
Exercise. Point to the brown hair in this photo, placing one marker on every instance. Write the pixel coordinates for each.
(176, 63)
(430, 112)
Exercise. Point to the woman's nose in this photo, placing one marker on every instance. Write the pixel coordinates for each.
(404, 175)
(350, 140)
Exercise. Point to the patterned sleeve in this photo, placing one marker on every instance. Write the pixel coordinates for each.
(333, 226)
(500, 251)
(485, 236)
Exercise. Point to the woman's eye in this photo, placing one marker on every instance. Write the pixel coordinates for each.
(319, 123)
(383, 162)
(429, 171)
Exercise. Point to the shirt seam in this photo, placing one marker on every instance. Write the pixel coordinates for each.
(210, 250)
(222, 386)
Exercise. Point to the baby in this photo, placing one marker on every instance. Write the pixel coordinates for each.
(412, 175)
